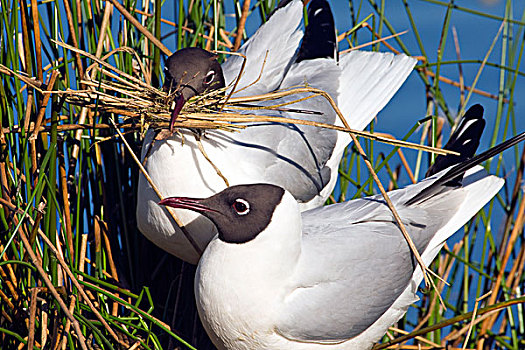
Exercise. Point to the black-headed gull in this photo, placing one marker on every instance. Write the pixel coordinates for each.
(302, 159)
(334, 277)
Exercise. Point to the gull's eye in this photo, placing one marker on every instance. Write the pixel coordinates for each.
(241, 206)
(209, 77)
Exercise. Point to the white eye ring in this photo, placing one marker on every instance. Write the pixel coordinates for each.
(241, 206)
(209, 77)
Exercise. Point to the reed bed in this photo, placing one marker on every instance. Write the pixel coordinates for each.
(74, 270)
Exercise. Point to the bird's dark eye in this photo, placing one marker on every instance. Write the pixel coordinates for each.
(209, 77)
(241, 206)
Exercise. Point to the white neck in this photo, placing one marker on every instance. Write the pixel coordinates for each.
(252, 274)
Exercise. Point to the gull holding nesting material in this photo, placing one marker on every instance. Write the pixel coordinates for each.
(335, 277)
(302, 159)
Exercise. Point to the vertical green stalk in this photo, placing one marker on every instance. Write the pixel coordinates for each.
(435, 87)
(156, 51)
(215, 24)
(179, 25)
(502, 73)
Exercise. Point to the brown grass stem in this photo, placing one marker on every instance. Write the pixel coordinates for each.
(449, 322)
(242, 23)
(141, 28)
(381, 40)
(80, 289)
(51, 288)
(428, 281)
(43, 104)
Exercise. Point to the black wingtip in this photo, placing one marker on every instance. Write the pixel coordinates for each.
(319, 39)
(465, 140)
(474, 111)
(460, 169)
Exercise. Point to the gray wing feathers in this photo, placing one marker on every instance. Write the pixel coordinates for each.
(321, 73)
(299, 151)
(281, 47)
(368, 266)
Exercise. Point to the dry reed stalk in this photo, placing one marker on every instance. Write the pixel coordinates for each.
(476, 305)
(224, 37)
(52, 289)
(68, 323)
(140, 28)
(12, 277)
(460, 68)
(209, 37)
(27, 115)
(424, 269)
(420, 339)
(380, 40)
(72, 33)
(82, 256)
(375, 34)
(468, 88)
(401, 155)
(25, 54)
(6, 300)
(9, 283)
(189, 120)
(65, 200)
(205, 155)
(514, 200)
(38, 41)
(448, 322)
(36, 223)
(32, 318)
(455, 335)
(111, 262)
(518, 227)
(43, 105)
(94, 265)
(448, 264)
(242, 23)
(80, 288)
(43, 318)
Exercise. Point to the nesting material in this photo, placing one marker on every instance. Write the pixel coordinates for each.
(105, 88)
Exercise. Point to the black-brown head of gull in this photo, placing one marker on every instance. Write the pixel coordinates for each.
(240, 213)
(191, 72)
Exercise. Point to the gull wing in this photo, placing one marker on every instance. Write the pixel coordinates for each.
(275, 42)
(299, 151)
(369, 80)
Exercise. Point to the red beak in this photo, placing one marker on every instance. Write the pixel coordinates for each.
(179, 103)
(194, 204)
